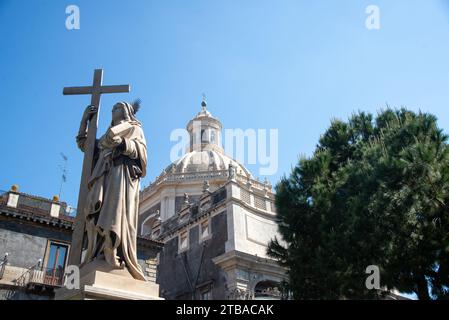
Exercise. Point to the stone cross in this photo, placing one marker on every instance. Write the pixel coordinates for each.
(95, 91)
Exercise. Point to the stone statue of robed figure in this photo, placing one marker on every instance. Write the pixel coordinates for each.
(111, 208)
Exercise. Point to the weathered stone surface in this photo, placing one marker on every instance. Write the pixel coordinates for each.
(100, 281)
(183, 276)
(26, 241)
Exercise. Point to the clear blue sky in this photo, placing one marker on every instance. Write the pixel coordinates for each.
(291, 65)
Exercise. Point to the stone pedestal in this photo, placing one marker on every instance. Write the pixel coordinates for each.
(98, 281)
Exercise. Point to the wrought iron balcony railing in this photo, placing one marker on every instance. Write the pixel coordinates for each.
(47, 276)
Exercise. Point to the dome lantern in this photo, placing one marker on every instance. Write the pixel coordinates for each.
(204, 131)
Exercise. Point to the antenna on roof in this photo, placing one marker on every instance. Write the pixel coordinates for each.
(63, 168)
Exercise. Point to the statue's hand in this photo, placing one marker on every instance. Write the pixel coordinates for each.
(117, 140)
(89, 113)
(87, 116)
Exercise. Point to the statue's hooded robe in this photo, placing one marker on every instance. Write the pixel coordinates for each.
(111, 209)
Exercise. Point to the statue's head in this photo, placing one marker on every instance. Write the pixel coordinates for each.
(119, 113)
(123, 111)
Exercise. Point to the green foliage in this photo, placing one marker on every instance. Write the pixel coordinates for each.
(375, 192)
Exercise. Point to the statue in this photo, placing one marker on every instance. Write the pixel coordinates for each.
(231, 172)
(186, 199)
(111, 208)
(206, 186)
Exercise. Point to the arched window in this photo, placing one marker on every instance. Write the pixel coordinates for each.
(267, 290)
(146, 227)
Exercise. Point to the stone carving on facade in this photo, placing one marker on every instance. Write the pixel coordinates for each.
(271, 292)
(239, 294)
(206, 186)
(186, 199)
(232, 172)
(151, 269)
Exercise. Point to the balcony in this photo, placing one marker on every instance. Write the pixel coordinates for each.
(36, 280)
(46, 277)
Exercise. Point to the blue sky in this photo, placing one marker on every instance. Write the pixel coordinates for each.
(287, 65)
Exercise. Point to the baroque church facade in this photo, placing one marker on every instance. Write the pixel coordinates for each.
(215, 220)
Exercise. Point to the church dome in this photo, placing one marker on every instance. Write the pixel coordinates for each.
(206, 160)
(205, 151)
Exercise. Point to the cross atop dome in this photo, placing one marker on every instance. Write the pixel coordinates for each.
(204, 112)
(204, 103)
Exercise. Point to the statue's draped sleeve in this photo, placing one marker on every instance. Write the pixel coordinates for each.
(135, 148)
(81, 141)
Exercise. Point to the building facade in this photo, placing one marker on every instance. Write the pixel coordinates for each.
(215, 220)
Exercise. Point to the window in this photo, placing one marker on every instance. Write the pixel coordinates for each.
(56, 256)
(205, 291)
(212, 136)
(206, 295)
(260, 203)
(203, 136)
(204, 230)
(184, 241)
(245, 196)
(55, 263)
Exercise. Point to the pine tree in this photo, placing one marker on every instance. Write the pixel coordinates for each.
(375, 192)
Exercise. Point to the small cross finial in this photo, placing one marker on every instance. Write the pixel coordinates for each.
(203, 102)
